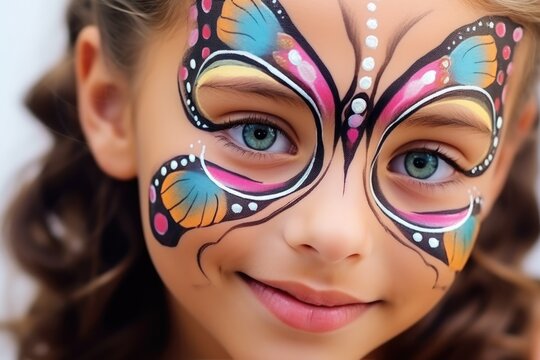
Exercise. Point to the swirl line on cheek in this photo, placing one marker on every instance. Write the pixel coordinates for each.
(415, 227)
(436, 285)
(275, 213)
(266, 197)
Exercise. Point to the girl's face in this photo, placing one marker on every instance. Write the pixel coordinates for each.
(313, 174)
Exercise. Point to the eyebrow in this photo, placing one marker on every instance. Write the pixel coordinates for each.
(253, 87)
(459, 119)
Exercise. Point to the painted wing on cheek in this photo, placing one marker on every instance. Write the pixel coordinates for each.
(184, 199)
(193, 200)
(459, 244)
(184, 196)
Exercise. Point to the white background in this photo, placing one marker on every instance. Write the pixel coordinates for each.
(32, 38)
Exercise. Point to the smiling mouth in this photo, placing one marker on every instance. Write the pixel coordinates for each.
(305, 309)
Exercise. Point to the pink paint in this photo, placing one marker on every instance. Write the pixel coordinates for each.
(434, 220)
(161, 224)
(518, 34)
(193, 37)
(206, 32)
(427, 80)
(500, 77)
(205, 52)
(355, 121)
(241, 183)
(352, 135)
(500, 29)
(152, 194)
(206, 5)
(184, 73)
(193, 13)
(506, 52)
(497, 104)
(306, 72)
(510, 69)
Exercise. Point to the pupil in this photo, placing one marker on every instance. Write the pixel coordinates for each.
(259, 137)
(261, 134)
(420, 163)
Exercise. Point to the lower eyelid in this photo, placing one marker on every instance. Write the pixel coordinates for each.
(408, 183)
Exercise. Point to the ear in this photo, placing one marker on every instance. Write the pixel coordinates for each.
(104, 107)
(515, 138)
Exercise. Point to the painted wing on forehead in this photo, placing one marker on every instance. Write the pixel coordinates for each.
(259, 34)
(248, 25)
(474, 62)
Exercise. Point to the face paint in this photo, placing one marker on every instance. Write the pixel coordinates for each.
(238, 39)
(470, 64)
(256, 41)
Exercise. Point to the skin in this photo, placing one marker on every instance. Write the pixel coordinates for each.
(141, 125)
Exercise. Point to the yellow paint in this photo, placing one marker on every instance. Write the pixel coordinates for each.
(184, 213)
(473, 107)
(170, 196)
(457, 253)
(233, 72)
(215, 210)
(226, 28)
(491, 67)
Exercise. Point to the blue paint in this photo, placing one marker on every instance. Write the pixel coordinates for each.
(471, 63)
(256, 29)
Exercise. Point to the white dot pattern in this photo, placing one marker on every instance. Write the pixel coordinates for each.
(371, 41)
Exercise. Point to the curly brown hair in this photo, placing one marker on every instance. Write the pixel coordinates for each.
(78, 232)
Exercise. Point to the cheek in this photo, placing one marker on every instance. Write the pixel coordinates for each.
(418, 287)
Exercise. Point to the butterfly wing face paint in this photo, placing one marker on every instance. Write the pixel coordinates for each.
(468, 71)
(242, 42)
(254, 41)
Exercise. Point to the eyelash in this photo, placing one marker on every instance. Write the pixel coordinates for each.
(444, 155)
(254, 119)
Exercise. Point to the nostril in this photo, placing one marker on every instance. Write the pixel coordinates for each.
(354, 257)
(308, 247)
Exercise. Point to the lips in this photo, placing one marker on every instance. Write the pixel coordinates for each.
(305, 309)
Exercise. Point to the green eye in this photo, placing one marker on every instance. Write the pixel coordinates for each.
(421, 165)
(259, 137)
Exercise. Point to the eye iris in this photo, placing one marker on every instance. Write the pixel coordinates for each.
(259, 137)
(421, 165)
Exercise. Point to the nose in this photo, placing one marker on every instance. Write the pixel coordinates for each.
(331, 222)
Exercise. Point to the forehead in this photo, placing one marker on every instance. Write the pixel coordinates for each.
(332, 26)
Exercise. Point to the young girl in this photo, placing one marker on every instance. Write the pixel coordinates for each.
(310, 179)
